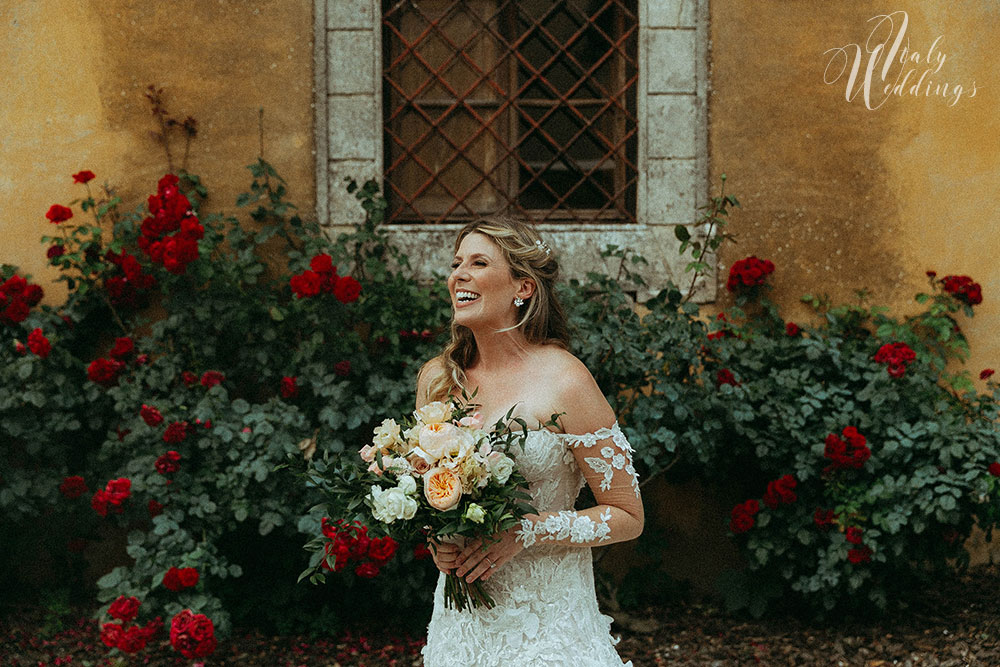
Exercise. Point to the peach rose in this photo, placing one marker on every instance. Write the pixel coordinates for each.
(442, 488)
(368, 453)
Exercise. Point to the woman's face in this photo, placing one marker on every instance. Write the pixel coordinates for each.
(481, 285)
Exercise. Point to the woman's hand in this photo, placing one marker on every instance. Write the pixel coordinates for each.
(474, 562)
(444, 554)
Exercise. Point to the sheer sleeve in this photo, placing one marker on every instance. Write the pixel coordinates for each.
(605, 459)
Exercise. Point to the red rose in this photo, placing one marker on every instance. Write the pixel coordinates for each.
(740, 523)
(134, 640)
(118, 490)
(342, 368)
(155, 508)
(175, 433)
(289, 388)
(994, 469)
(322, 263)
(823, 518)
(963, 289)
(859, 555)
(189, 378)
(20, 348)
(111, 634)
(853, 535)
(849, 452)
(725, 376)
(359, 547)
(421, 551)
(931, 274)
(382, 549)
(749, 272)
(104, 371)
(124, 609)
(347, 290)
(192, 634)
(792, 329)
(100, 502)
(123, 347)
(84, 176)
(985, 373)
(172, 580)
(780, 491)
(38, 343)
(150, 415)
(188, 576)
(897, 356)
(57, 214)
(55, 251)
(73, 487)
(368, 570)
(211, 378)
(153, 628)
(306, 284)
(168, 463)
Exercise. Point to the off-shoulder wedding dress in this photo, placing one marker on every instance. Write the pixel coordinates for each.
(546, 610)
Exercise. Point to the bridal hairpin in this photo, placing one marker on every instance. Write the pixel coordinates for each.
(543, 246)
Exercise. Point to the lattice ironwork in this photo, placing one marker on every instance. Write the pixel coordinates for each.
(527, 107)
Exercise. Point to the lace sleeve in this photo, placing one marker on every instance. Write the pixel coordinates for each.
(605, 459)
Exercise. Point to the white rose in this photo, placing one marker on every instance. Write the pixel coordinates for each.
(407, 484)
(500, 467)
(392, 504)
(434, 413)
(387, 434)
(475, 513)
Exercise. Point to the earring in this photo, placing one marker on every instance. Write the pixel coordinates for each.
(518, 301)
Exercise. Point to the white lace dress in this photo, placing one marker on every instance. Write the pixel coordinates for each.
(546, 608)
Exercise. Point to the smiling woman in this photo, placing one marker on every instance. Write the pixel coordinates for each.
(509, 346)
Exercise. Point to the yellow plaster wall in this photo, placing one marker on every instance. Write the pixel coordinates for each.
(71, 98)
(842, 197)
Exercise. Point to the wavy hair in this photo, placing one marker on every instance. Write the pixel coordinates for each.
(542, 320)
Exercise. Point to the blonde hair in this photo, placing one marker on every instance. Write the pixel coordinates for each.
(542, 321)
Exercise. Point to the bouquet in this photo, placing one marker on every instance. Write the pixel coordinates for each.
(437, 475)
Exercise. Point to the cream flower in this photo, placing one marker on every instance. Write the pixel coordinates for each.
(391, 504)
(500, 467)
(434, 413)
(475, 513)
(440, 440)
(387, 434)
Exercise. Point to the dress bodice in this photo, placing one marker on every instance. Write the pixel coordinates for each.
(547, 463)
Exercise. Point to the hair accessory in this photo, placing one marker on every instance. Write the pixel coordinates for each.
(543, 246)
(518, 301)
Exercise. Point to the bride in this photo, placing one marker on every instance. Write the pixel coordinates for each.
(509, 343)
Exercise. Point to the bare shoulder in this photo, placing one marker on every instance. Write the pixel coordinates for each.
(431, 369)
(575, 392)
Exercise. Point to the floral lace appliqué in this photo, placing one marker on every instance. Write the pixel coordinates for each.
(579, 529)
(610, 460)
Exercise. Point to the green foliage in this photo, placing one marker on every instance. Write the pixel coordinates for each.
(237, 514)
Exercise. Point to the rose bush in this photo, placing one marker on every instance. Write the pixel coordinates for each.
(196, 353)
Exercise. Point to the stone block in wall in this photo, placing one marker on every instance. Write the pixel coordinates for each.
(671, 61)
(672, 13)
(671, 191)
(353, 133)
(350, 66)
(672, 123)
(350, 14)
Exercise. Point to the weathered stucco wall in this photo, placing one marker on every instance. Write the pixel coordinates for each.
(73, 83)
(842, 197)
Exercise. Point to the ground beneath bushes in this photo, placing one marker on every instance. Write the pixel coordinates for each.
(956, 623)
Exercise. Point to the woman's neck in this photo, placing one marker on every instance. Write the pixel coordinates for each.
(497, 351)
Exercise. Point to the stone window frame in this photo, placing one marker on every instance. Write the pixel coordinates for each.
(673, 155)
